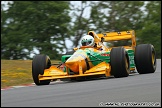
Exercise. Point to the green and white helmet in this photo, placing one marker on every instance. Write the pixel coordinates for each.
(87, 40)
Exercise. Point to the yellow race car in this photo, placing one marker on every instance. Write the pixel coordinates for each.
(94, 58)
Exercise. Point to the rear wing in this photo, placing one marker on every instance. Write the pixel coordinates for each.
(114, 36)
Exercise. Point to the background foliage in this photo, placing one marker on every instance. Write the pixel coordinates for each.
(46, 25)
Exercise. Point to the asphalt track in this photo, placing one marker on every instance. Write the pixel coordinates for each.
(134, 90)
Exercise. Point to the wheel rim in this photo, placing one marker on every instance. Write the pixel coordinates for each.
(153, 58)
(126, 64)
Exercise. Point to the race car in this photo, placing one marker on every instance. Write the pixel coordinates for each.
(94, 58)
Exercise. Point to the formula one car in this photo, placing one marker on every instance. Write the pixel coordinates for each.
(94, 58)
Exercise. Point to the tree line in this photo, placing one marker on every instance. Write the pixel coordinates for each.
(46, 25)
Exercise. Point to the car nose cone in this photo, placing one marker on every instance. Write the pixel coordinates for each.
(73, 62)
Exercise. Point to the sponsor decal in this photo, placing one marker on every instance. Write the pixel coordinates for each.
(105, 54)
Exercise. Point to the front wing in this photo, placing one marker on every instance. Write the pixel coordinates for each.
(55, 73)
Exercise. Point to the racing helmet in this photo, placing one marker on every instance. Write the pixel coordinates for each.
(87, 40)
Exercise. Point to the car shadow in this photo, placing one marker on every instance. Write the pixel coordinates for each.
(85, 79)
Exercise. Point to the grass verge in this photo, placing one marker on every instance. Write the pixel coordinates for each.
(17, 72)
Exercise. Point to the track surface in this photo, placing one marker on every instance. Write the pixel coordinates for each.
(144, 89)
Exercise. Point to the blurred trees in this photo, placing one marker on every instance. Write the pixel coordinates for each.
(151, 26)
(117, 15)
(34, 24)
(46, 25)
(80, 24)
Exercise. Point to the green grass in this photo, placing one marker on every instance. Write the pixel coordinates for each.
(17, 72)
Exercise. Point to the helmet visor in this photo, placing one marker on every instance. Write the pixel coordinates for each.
(86, 43)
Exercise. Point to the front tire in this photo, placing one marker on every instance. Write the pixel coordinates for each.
(119, 62)
(145, 58)
(39, 64)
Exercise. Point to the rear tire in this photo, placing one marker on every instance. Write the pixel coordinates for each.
(119, 62)
(39, 64)
(145, 58)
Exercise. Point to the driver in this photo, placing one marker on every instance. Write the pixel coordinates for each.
(87, 40)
